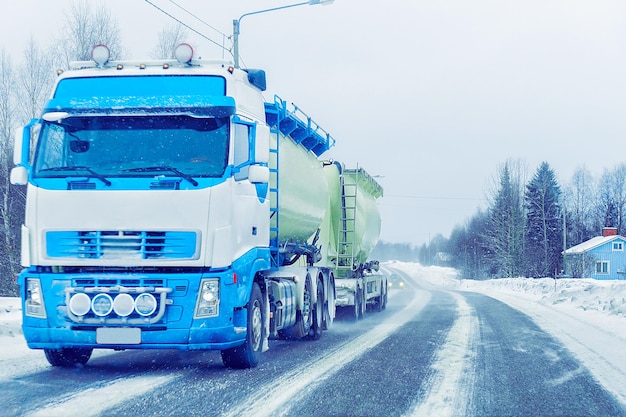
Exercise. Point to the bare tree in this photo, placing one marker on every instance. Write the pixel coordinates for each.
(85, 28)
(170, 37)
(578, 202)
(608, 200)
(36, 77)
(9, 233)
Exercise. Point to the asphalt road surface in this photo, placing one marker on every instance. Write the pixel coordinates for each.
(432, 352)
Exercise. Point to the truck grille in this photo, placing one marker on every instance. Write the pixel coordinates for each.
(121, 244)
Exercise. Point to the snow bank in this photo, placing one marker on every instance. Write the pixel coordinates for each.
(606, 298)
(10, 317)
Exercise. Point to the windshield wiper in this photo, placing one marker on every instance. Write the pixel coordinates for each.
(79, 168)
(165, 168)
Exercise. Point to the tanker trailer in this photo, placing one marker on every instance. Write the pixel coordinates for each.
(356, 221)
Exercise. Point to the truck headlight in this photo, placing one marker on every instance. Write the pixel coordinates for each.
(208, 298)
(34, 304)
(102, 305)
(145, 304)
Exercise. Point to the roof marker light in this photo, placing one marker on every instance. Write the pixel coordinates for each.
(183, 53)
(100, 54)
(120, 67)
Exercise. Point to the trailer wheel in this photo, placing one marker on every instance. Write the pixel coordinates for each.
(355, 311)
(67, 357)
(381, 300)
(329, 304)
(318, 313)
(248, 354)
(386, 296)
(363, 304)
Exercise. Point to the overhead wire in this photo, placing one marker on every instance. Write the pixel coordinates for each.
(186, 25)
(198, 19)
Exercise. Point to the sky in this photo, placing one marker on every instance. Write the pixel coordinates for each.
(587, 316)
(430, 97)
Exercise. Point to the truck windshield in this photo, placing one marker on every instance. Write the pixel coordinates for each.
(131, 146)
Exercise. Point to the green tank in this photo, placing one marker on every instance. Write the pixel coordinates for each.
(355, 221)
(321, 208)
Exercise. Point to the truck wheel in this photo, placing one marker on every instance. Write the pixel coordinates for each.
(304, 316)
(67, 357)
(318, 313)
(248, 354)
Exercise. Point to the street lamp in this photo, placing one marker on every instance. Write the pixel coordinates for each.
(237, 22)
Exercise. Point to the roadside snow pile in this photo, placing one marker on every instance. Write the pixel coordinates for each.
(607, 297)
(10, 317)
(584, 294)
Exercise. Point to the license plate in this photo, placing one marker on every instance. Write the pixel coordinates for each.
(118, 336)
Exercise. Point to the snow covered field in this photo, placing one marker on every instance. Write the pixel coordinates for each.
(587, 316)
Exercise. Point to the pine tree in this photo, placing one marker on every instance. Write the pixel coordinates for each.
(504, 236)
(544, 223)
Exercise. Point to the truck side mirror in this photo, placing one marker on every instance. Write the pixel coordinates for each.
(19, 175)
(18, 146)
(262, 144)
(259, 174)
(21, 154)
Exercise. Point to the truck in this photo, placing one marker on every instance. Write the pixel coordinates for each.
(170, 206)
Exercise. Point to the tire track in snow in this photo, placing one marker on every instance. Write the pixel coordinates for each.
(449, 387)
(94, 401)
(275, 397)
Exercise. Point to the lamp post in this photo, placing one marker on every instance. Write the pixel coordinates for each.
(237, 22)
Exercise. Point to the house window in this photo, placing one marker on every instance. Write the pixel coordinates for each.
(602, 267)
(618, 246)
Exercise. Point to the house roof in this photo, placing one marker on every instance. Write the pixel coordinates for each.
(594, 242)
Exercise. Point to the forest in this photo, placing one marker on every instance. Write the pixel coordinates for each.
(527, 225)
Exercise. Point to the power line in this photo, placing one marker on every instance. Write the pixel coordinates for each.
(423, 197)
(185, 25)
(200, 20)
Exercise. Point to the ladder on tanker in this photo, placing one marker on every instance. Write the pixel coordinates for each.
(347, 227)
(273, 190)
(294, 123)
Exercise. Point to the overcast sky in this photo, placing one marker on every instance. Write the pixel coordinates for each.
(430, 96)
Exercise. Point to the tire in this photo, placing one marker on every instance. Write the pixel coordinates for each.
(381, 300)
(355, 311)
(68, 357)
(315, 333)
(304, 316)
(248, 354)
(363, 304)
(330, 310)
(385, 299)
